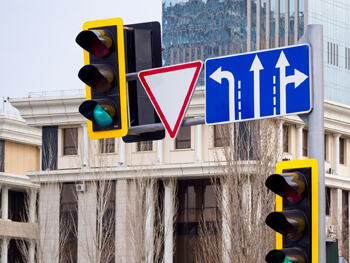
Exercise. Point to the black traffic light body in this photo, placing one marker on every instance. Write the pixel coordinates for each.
(104, 75)
(143, 50)
(296, 217)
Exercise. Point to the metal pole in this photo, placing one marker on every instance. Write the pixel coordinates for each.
(159, 126)
(315, 121)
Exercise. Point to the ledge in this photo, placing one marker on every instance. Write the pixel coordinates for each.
(14, 128)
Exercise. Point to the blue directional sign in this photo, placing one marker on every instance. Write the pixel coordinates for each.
(256, 85)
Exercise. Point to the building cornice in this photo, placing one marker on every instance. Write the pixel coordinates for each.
(179, 171)
(63, 110)
(16, 181)
(50, 111)
(13, 128)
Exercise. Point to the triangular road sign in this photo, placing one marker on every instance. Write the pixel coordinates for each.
(170, 90)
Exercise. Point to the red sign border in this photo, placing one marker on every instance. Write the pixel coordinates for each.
(198, 65)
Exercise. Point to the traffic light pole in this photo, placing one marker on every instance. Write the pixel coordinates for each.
(315, 121)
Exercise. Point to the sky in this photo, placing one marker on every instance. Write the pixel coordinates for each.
(38, 51)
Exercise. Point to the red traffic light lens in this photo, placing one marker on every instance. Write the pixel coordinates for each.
(96, 42)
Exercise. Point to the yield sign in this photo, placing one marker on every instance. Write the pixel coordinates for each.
(170, 90)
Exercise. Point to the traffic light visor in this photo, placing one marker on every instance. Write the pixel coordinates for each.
(98, 76)
(287, 185)
(96, 42)
(289, 223)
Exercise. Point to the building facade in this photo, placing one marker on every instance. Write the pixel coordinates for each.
(19, 153)
(203, 29)
(68, 173)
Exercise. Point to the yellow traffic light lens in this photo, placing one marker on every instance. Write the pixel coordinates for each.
(98, 76)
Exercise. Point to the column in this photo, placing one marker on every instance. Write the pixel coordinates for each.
(199, 152)
(86, 145)
(32, 205)
(159, 152)
(280, 138)
(258, 23)
(300, 141)
(4, 248)
(40, 157)
(249, 25)
(336, 153)
(169, 220)
(226, 223)
(31, 251)
(121, 152)
(296, 21)
(149, 229)
(87, 222)
(286, 23)
(277, 23)
(4, 203)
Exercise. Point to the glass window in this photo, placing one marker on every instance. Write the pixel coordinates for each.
(70, 141)
(246, 140)
(341, 150)
(325, 147)
(285, 131)
(183, 138)
(197, 201)
(68, 223)
(2, 156)
(305, 142)
(145, 146)
(328, 201)
(107, 145)
(221, 135)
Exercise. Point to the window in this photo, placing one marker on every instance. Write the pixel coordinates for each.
(345, 222)
(305, 143)
(196, 200)
(222, 135)
(70, 141)
(247, 140)
(341, 150)
(332, 54)
(328, 201)
(325, 147)
(285, 136)
(347, 58)
(68, 223)
(107, 145)
(144, 146)
(2, 156)
(183, 138)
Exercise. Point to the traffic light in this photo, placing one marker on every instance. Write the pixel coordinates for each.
(296, 217)
(104, 75)
(143, 50)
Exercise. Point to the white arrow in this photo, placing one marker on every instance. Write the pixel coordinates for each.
(218, 75)
(297, 79)
(256, 67)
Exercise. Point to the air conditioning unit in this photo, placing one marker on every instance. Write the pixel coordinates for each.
(80, 187)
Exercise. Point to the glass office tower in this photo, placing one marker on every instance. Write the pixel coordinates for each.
(200, 29)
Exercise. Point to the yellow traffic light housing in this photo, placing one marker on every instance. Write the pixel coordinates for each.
(296, 217)
(104, 75)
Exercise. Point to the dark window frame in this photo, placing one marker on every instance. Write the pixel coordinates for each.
(70, 141)
(183, 138)
(107, 145)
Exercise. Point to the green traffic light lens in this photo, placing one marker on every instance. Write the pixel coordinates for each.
(101, 117)
(277, 256)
